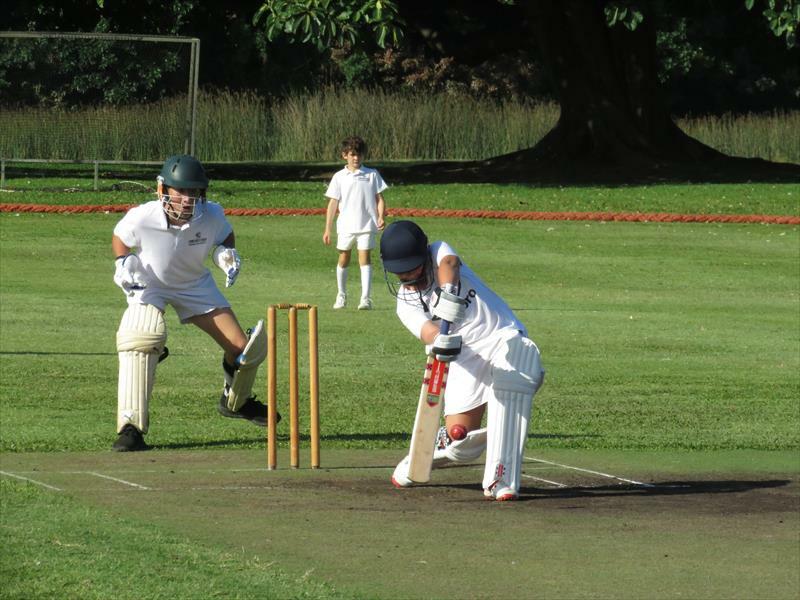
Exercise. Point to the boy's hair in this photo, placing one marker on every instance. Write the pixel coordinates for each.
(354, 143)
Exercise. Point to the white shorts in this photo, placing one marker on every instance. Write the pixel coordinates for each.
(198, 300)
(362, 241)
(470, 378)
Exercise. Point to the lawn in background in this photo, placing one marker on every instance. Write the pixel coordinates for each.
(669, 340)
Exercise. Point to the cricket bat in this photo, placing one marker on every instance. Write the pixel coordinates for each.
(426, 423)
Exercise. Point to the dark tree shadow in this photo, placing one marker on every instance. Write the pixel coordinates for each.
(517, 168)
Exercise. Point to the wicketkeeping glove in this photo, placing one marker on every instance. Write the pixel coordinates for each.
(445, 347)
(448, 306)
(228, 260)
(128, 274)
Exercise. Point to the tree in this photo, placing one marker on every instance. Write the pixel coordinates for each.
(63, 73)
(601, 56)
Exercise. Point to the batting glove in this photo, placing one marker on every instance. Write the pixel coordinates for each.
(128, 274)
(446, 347)
(228, 260)
(447, 305)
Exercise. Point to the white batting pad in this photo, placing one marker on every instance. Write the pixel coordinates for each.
(254, 354)
(141, 337)
(517, 375)
(466, 450)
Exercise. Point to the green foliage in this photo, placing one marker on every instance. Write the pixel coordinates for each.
(331, 23)
(72, 72)
(783, 17)
(624, 13)
(68, 72)
(357, 69)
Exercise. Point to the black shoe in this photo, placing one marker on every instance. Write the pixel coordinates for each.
(252, 410)
(130, 440)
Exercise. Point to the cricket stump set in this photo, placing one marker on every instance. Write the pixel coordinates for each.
(272, 385)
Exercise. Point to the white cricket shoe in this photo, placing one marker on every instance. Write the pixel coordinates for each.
(501, 492)
(365, 304)
(341, 301)
(400, 476)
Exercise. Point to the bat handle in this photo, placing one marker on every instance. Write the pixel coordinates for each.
(444, 327)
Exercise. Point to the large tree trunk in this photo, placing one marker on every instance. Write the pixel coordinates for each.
(613, 124)
(605, 78)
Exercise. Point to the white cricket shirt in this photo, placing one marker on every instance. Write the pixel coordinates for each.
(356, 192)
(173, 257)
(487, 313)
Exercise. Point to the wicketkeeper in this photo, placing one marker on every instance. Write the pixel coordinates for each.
(492, 362)
(171, 237)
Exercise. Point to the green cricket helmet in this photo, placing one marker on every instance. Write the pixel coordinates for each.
(184, 172)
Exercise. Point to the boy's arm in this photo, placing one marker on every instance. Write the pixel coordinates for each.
(447, 275)
(118, 247)
(333, 204)
(381, 210)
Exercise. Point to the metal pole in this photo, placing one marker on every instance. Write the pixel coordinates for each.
(196, 47)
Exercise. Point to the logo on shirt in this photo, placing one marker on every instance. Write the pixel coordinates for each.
(198, 239)
(470, 295)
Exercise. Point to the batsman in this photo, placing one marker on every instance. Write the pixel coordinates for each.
(494, 368)
(160, 249)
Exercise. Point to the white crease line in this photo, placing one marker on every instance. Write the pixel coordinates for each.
(555, 483)
(136, 485)
(49, 487)
(541, 460)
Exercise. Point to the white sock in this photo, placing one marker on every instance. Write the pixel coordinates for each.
(366, 280)
(341, 279)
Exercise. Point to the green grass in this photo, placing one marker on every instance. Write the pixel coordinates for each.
(654, 336)
(62, 547)
(671, 347)
(308, 127)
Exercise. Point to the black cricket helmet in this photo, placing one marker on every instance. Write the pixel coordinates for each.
(404, 247)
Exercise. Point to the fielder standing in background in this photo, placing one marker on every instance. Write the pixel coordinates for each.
(172, 236)
(494, 364)
(356, 192)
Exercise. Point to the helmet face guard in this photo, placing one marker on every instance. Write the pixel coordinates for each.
(186, 212)
(412, 291)
(183, 172)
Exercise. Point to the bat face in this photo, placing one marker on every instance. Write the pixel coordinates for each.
(426, 423)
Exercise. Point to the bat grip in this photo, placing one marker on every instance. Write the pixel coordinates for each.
(444, 327)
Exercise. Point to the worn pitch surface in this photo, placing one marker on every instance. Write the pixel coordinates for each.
(587, 525)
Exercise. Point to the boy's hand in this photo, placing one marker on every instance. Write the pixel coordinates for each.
(128, 274)
(447, 305)
(445, 347)
(326, 238)
(228, 260)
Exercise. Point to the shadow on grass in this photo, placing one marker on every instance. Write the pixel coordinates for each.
(663, 488)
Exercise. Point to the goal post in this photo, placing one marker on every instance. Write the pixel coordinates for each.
(95, 71)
